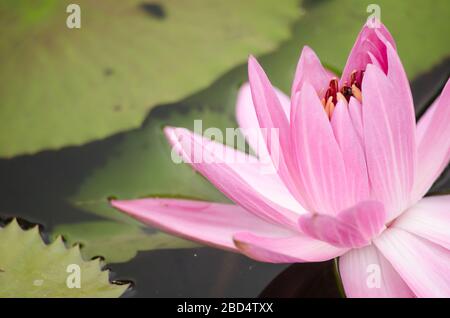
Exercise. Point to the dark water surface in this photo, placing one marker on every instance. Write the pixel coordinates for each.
(36, 188)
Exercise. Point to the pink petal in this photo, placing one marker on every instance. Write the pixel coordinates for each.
(269, 110)
(309, 69)
(273, 119)
(389, 141)
(352, 152)
(320, 161)
(353, 227)
(248, 122)
(238, 176)
(423, 265)
(289, 249)
(397, 77)
(433, 144)
(206, 222)
(425, 120)
(374, 60)
(429, 218)
(354, 109)
(370, 40)
(366, 273)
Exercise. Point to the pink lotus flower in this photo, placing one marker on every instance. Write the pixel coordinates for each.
(352, 171)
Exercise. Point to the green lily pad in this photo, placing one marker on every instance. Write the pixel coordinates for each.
(160, 177)
(30, 268)
(140, 165)
(62, 86)
(116, 242)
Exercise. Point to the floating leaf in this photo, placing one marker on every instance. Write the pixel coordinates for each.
(151, 172)
(30, 268)
(116, 242)
(62, 86)
(141, 166)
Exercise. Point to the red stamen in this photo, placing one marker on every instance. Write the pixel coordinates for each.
(332, 90)
(356, 78)
(346, 90)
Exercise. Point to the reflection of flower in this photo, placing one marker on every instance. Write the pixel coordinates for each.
(351, 173)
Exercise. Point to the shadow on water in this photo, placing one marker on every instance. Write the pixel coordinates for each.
(304, 280)
(36, 187)
(428, 86)
(202, 272)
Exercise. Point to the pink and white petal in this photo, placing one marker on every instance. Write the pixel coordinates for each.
(248, 121)
(423, 265)
(239, 176)
(389, 141)
(365, 273)
(354, 227)
(275, 126)
(425, 120)
(309, 69)
(320, 162)
(384, 35)
(429, 218)
(371, 40)
(288, 249)
(374, 60)
(372, 52)
(354, 109)
(206, 222)
(269, 110)
(433, 144)
(397, 76)
(352, 152)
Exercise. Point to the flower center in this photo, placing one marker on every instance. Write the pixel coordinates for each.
(349, 89)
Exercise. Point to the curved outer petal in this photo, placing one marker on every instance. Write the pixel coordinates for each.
(309, 69)
(423, 265)
(274, 121)
(433, 144)
(353, 227)
(366, 273)
(289, 249)
(423, 126)
(397, 77)
(370, 40)
(352, 152)
(429, 218)
(238, 176)
(389, 141)
(320, 161)
(248, 121)
(206, 222)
